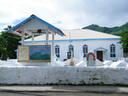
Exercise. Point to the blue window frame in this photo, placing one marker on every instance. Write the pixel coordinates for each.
(57, 51)
(85, 50)
(71, 48)
(112, 50)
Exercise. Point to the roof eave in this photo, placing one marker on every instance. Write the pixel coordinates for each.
(42, 21)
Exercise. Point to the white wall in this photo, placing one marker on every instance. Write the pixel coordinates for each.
(92, 45)
(63, 75)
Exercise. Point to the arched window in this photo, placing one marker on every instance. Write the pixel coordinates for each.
(57, 51)
(85, 50)
(112, 50)
(71, 49)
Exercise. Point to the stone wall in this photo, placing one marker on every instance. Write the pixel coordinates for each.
(63, 75)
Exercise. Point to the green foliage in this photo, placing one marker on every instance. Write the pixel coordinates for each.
(8, 44)
(98, 28)
(113, 30)
(124, 40)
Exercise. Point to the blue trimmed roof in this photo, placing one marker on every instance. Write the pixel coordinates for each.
(42, 21)
(74, 40)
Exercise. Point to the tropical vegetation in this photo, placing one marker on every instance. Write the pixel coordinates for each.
(8, 44)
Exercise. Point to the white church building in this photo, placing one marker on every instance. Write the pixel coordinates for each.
(81, 42)
(78, 41)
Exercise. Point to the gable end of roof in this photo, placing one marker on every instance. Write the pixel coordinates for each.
(37, 18)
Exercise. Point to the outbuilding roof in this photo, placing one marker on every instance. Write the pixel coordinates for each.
(80, 34)
(38, 19)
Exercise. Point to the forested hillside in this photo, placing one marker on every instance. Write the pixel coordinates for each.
(111, 30)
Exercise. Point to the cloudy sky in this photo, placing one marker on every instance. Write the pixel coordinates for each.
(65, 14)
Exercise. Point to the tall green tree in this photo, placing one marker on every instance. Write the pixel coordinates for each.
(8, 44)
(124, 40)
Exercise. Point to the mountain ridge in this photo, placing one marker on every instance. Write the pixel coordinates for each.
(111, 30)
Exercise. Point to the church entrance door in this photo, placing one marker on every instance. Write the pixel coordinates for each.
(99, 55)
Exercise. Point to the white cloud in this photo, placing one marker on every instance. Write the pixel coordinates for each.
(70, 13)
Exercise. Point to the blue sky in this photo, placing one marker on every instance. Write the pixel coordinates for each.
(65, 14)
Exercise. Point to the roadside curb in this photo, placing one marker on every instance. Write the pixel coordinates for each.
(68, 91)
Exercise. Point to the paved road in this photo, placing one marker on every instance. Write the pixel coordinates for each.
(63, 90)
(57, 94)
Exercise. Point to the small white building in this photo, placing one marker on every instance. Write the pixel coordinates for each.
(81, 42)
(34, 26)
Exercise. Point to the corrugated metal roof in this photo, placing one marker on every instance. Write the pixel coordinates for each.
(75, 34)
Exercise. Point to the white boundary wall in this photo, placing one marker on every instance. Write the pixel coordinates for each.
(63, 75)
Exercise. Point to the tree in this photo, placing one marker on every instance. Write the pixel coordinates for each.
(124, 40)
(8, 44)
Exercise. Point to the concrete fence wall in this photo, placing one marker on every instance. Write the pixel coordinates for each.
(63, 75)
